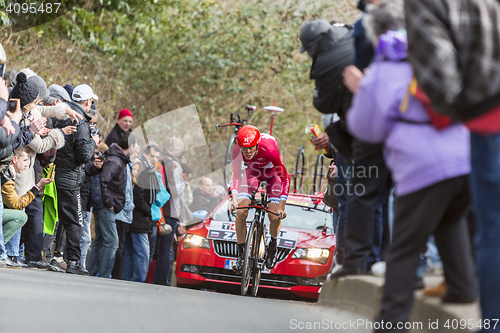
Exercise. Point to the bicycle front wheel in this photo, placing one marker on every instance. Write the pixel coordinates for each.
(246, 273)
(259, 251)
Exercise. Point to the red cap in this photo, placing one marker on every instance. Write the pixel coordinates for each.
(125, 113)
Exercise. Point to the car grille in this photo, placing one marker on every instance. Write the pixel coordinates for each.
(275, 280)
(230, 249)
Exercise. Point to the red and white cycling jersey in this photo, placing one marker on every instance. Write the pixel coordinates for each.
(267, 165)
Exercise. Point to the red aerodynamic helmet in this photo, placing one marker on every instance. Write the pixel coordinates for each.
(248, 136)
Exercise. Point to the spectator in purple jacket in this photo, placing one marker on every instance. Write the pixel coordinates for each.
(429, 167)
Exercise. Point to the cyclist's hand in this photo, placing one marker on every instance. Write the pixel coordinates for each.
(282, 213)
(232, 205)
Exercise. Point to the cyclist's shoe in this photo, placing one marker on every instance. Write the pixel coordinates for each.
(74, 267)
(271, 254)
(238, 265)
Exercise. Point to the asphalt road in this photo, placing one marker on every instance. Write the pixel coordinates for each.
(39, 301)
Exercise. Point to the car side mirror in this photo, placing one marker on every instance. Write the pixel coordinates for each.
(200, 214)
(325, 230)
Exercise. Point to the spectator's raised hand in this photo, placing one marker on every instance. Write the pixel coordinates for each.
(69, 129)
(352, 76)
(16, 115)
(333, 170)
(37, 125)
(96, 138)
(45, 181)
(98, 163)
(44, 131)
(7, 125)
(73, 114)
(322, 142)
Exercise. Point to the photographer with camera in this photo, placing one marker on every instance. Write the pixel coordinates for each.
(77, 151)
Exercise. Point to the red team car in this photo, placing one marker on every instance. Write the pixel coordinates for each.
(306, 246)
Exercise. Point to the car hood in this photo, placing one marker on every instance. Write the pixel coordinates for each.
(305, 239)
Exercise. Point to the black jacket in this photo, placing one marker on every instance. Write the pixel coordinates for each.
(113, 178)
(77, 151)
(142, 222)
(7, 141)
(335, 52)
(202, 202)
(85, 190)
(114, 135)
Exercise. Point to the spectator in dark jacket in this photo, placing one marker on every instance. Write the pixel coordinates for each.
(9, 131)
(136, 252)
(123, 124)
(331, 49)
(113, 182)
(202, 196)
(78, 149)
(90, 194)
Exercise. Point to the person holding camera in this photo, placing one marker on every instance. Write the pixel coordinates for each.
(9, 131)
(113, 184)
(30, 91)
(78, 150)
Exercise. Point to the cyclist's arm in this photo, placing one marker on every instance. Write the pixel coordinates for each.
(284, 176)
(237, 159)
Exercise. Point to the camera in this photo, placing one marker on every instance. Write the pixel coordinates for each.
(99, 155)
(12, 105)
(2, 69)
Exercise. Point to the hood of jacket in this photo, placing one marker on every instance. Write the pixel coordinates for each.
(115, 150)
(334, 50)
(392, 45)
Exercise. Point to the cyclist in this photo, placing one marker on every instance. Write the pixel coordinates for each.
(265, 163)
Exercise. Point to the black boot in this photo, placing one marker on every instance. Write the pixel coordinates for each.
(238, 265)
(74, 267)
(271, 254)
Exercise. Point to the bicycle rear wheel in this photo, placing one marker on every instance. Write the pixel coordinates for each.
(319, 174)
(299, 171)
(259, 252)
(246, 273)
(228, 162)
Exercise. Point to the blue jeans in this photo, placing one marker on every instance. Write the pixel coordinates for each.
(102, 254)
(163, 264)
(136, 257)
(86, 238)
(12, 246)
(3, 252)
(485, 188)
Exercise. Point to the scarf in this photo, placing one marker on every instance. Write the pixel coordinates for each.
(148, 180)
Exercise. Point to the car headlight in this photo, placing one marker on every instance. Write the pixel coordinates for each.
(314, 254)
(195, 241)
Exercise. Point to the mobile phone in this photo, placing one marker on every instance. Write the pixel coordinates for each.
(12, 105)
(50, 173)
(2, 69)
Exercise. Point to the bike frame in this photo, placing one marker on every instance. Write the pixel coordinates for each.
(255, 244)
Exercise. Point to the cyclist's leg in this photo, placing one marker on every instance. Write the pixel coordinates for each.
(274, 191)
(241, 220)
(249, 185)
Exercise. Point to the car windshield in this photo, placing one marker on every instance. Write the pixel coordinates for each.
(303, 216)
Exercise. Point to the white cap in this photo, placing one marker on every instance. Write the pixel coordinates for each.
(83, 92)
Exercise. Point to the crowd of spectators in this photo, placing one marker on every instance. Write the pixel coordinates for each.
(414, 86)
(63, 181)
